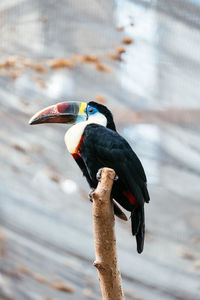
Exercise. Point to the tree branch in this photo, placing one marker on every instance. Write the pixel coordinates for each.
(104, 238)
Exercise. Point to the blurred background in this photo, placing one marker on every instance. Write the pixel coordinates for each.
(140, 58)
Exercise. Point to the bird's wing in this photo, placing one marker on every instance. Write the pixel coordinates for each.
(112, 150)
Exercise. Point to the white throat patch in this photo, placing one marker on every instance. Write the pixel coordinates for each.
(74, 134)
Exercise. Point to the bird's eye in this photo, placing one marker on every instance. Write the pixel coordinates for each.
(91, 110)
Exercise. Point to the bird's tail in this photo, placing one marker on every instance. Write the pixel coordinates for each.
(138, 226)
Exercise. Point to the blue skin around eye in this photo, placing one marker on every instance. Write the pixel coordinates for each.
(91, 113)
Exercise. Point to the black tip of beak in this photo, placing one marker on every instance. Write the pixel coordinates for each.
(32, 122)
(37, 120)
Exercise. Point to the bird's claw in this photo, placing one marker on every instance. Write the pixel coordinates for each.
(116, 178)
(98, 176)
(90, 195)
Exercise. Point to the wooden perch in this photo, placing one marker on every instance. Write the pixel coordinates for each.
(104, 238)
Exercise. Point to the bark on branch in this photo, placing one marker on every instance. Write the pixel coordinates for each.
(104, 238)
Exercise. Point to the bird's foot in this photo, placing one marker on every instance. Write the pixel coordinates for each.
(98, 176)
(116, 178)
(90, 195)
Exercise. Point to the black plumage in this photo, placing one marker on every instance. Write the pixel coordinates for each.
(103, 147)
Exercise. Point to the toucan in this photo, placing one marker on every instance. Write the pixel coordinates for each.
(94, 143)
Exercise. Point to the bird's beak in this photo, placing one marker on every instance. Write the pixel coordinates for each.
(65, 112)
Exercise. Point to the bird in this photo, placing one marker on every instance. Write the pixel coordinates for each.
(94, 143)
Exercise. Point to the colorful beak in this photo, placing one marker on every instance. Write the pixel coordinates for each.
(65, 112)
